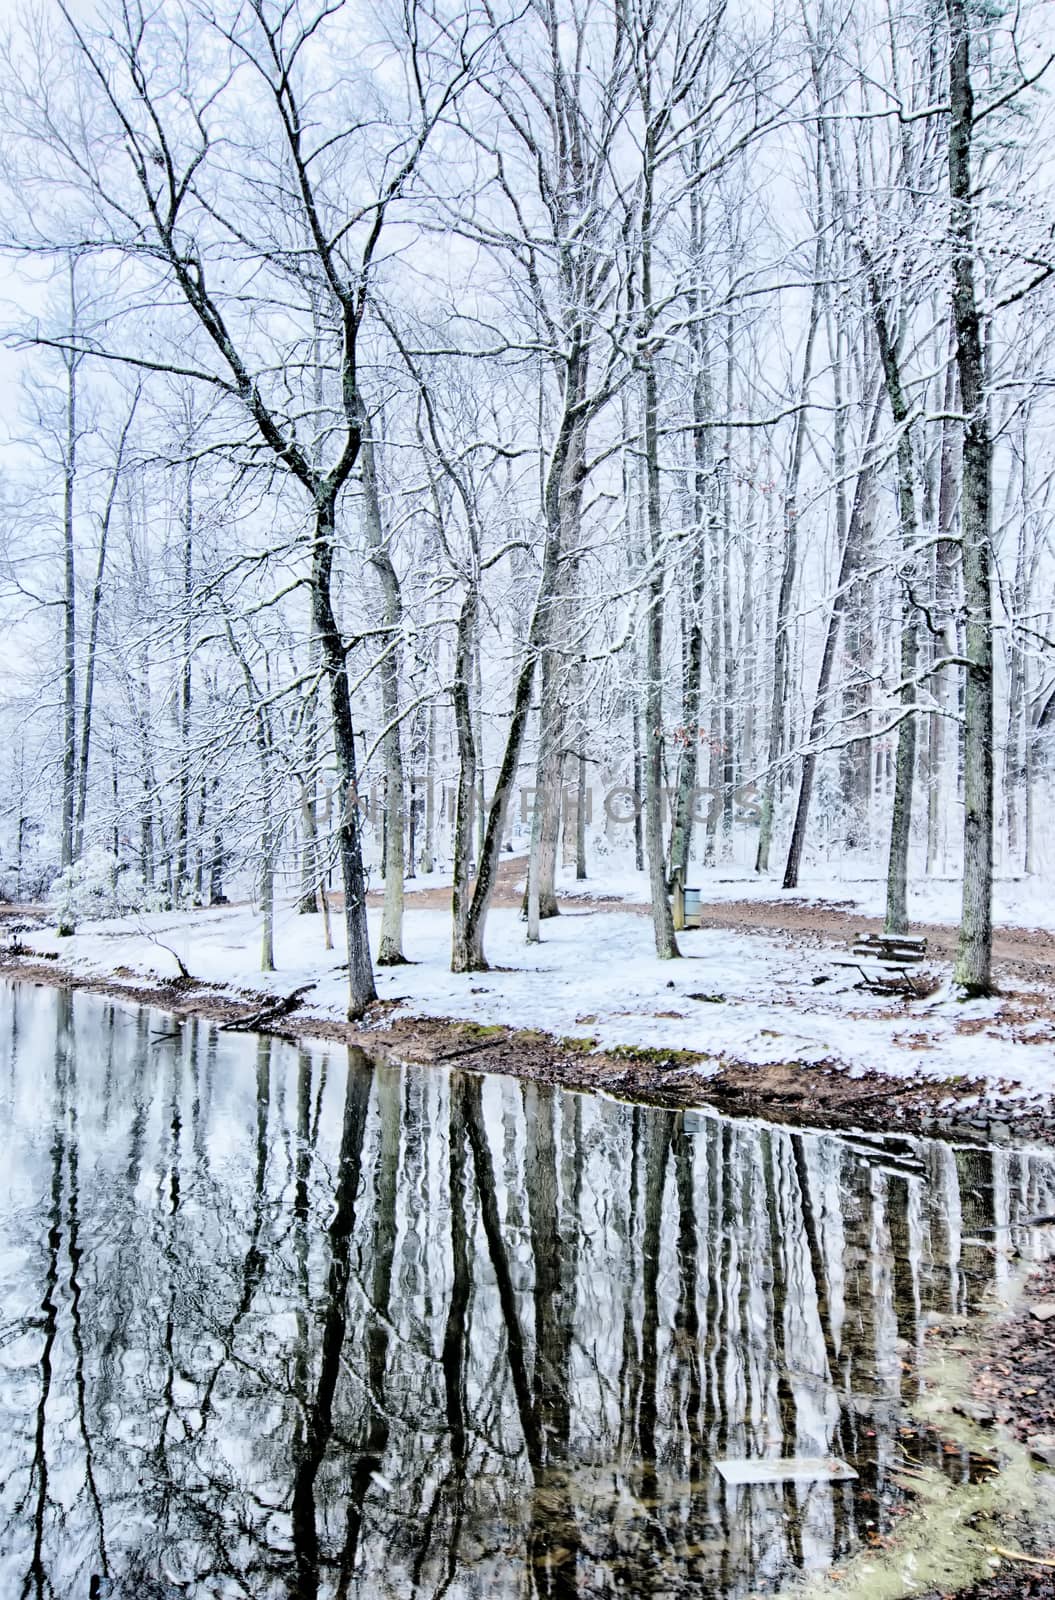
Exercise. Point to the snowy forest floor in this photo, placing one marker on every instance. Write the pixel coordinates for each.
(759, 1016)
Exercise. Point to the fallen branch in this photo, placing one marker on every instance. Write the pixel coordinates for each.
(184, 975)
(1018, 1555)
(270, 1013)
(471, 1049)
(148, 934)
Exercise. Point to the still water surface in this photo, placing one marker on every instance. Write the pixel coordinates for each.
(281, 1323)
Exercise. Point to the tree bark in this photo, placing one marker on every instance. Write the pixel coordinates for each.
(973, 968)
(778, 696)
(390, 949)
(361, 988)
(69, 606)
(860, 521)
(662, 918)
(93, 632)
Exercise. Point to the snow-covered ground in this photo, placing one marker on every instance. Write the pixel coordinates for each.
(757, 997)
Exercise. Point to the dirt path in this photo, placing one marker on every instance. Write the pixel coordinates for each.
(1028, 954)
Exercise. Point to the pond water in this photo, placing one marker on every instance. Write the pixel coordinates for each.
(286, 1323)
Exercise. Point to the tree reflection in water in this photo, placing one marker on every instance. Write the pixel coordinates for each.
(286, 1323)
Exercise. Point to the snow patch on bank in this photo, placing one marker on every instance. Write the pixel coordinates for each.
(735, 997)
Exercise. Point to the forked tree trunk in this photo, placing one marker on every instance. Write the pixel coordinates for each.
(468, 954)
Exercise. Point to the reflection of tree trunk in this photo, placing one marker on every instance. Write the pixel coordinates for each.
(657, 1134)
(317, 1426)
(842, 1497)
(551, 1343)
(549, 1552)
(168, 1205)
(254, 1261)
(554, 1538)
(36, 1580)
(630, 1367)
(67, 1066)
(302, 1238)
(374, 1438)
(687, 1316)
(779, 1225)
(456, 1334)
(468, 1089)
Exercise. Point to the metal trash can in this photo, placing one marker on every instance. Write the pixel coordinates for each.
(693, 907)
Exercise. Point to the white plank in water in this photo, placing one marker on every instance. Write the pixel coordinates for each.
(782, 1469)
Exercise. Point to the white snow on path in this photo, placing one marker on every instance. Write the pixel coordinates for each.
(595, 975)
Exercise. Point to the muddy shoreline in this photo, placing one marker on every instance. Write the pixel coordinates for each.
(818, 1095)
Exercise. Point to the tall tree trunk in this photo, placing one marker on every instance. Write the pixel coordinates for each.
(183, 813)
(469, 942)
(662, 918)
(465, 797)
(69, 604)
(639, 789)
(944, 592)
(860, 522)
(361, 988)
(310, 864)
(580, 815)
(390, 949)
(428, 847)
(694, 592)
(93, 630)
(545, 817)
(553, 694)
(973, 968)
(217, 857)
(728, 751)
(896, 920)
(779, 693)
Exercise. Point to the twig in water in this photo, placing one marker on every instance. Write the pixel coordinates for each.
(1018, 1555)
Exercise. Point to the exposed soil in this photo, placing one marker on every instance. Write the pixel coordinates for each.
(819, 1095)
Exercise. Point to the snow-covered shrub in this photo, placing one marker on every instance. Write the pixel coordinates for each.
(97, 886)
